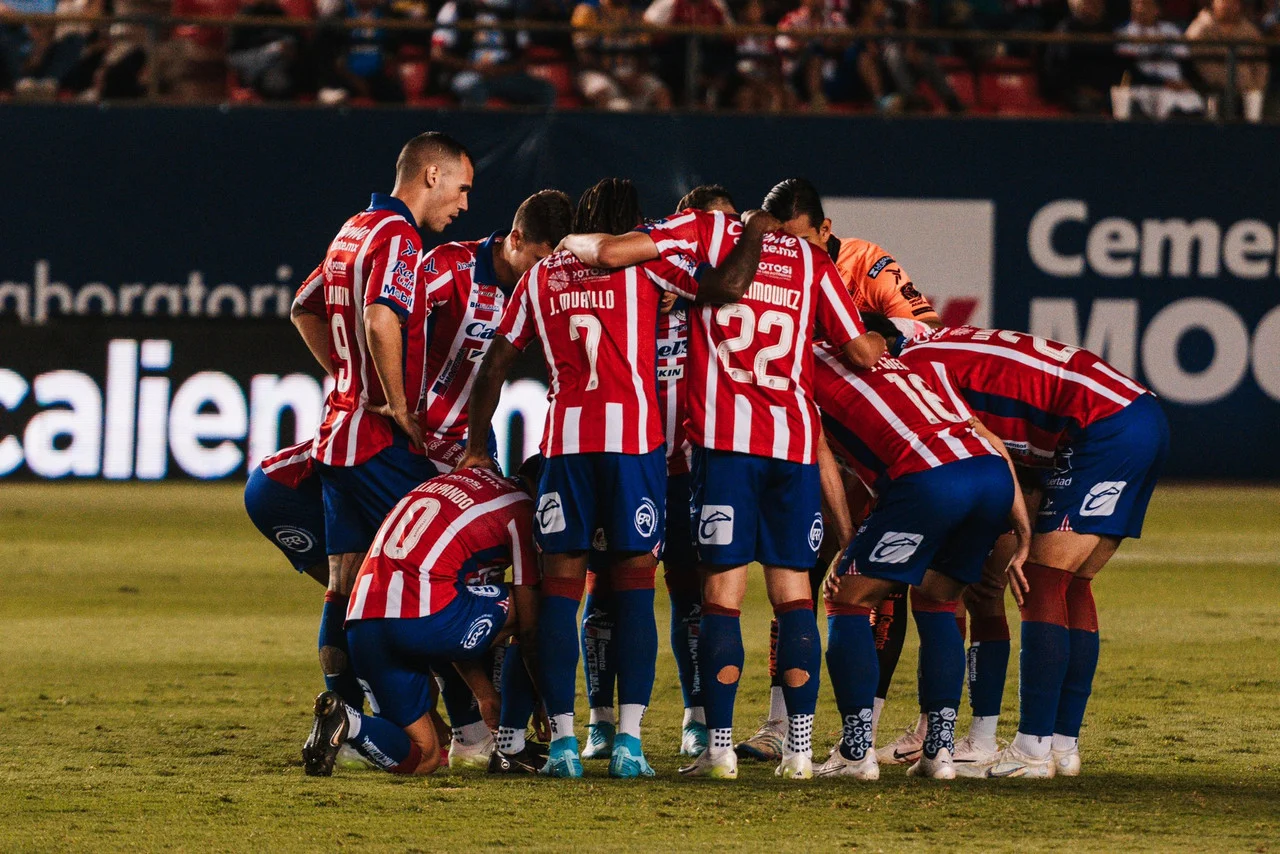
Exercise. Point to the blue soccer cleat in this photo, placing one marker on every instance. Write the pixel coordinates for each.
(628, 759)
(562, 758)
(599, 740)
(693, 740)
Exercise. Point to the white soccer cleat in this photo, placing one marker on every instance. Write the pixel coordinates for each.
(866, 768)
(1066, 763)
(904, 749)
(1012, 762)
(973, 758)
(795, 766)
(473, 757)
(939, 767)
(722, 766)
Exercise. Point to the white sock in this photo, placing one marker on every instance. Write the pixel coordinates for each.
(629, 717)
(982, 729)
(695, 715)
(777, 705)
(510, 739)
(720, 738)
(799, 733)
(353, 722)
(602, 714)
(561, 726)
(1035, 746)
(1065, 743)
(877, 706)
(471, 734)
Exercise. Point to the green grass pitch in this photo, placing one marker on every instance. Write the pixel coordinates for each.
(159, 662)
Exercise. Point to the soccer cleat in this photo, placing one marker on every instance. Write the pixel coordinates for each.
(599, 741)
(328, 732)
(693, 740)
(795, 766)
(939, 767)
(628, 759)
(349, 759)
(766, 744)
(471, 757)
(1066, 763)
(524, 761)
(902, 750)
(837, 765)
(972, 758)
(1012, 762)
(562, 758)
(722, 766)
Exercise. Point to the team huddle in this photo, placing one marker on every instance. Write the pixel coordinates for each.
(724, 391)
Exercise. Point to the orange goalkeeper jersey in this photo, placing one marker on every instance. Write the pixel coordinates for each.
(876, 281)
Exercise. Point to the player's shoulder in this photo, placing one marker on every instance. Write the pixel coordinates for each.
(862, 258)
(454, 257)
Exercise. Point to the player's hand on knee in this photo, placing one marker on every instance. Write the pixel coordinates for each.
(475, 461)
(1017, 580)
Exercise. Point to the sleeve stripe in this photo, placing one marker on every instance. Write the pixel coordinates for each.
(833, 295)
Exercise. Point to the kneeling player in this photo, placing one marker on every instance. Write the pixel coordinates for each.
(430, 594)
(944, 495)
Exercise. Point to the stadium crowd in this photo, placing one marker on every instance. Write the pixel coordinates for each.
(725, 392)
(441, 64)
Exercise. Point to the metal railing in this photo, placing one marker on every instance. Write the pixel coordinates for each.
(158, 28)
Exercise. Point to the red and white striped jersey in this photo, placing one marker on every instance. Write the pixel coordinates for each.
(289, 466)
(1033, 393)
(887, 422)
(673, 354)
(464, 303)
(373, 259)
(452, 531)
(751, 362)
(598, 330)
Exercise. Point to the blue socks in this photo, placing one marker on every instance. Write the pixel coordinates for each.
(558, 643)
(1082, 618)
(720, 649)
(384, 744)
(517, 691)
(686, 615)
(599, 661)
(1046, 649)
(941, 677)
(637, 657)
(855, 673)
(335, 655)
(988, 663)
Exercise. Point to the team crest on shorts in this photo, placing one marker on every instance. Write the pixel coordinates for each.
(478, 631)
(815, 533)
(715, 526)
(896, 547)
(1102, 498)
(295, 539)
(550, 514)
(489, 591)
(646, 518)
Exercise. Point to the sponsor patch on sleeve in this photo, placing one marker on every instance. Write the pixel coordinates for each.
(878, 266)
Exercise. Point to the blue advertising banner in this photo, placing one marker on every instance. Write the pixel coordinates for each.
(1155, 246)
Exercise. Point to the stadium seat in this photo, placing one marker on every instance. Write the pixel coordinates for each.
(413, 77)
(301, 9)
(1011, 93)
(559, 75)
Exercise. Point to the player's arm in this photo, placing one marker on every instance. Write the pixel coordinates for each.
(611, 250)
(382, 330)
(865, 350)
(1019, 518)
(309, 318)
(476, 675)
(729, 280)
(896, 296)
(833, 494)
(515, 331)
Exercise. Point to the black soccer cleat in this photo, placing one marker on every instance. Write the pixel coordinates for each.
(527, 761)
(328, 732)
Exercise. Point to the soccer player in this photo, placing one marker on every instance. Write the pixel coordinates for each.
(606, 468)
(755, 436)
(877, 283)
(465, 286)
(355, 317)
(945, 491)
(679, 565)
(430, 595)
(1107, 438)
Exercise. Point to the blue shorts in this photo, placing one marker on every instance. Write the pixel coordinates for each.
(745, 508)
(292, 519)
(612, 501)
(358, 498)
(945, 519)
(1104, 479)
(394, 657)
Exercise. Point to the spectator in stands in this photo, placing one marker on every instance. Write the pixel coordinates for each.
(1224, 19)
(123, 61)
(549, 42)
(358, 63)
(267, 59)
(758, 82)
(910, 62)
(1158, 86)
(57, 63)
(717, 56)
(613, 67)
(479, 64)
(18, 43)
(194, 59)
(1080, 76)
(822, 70)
